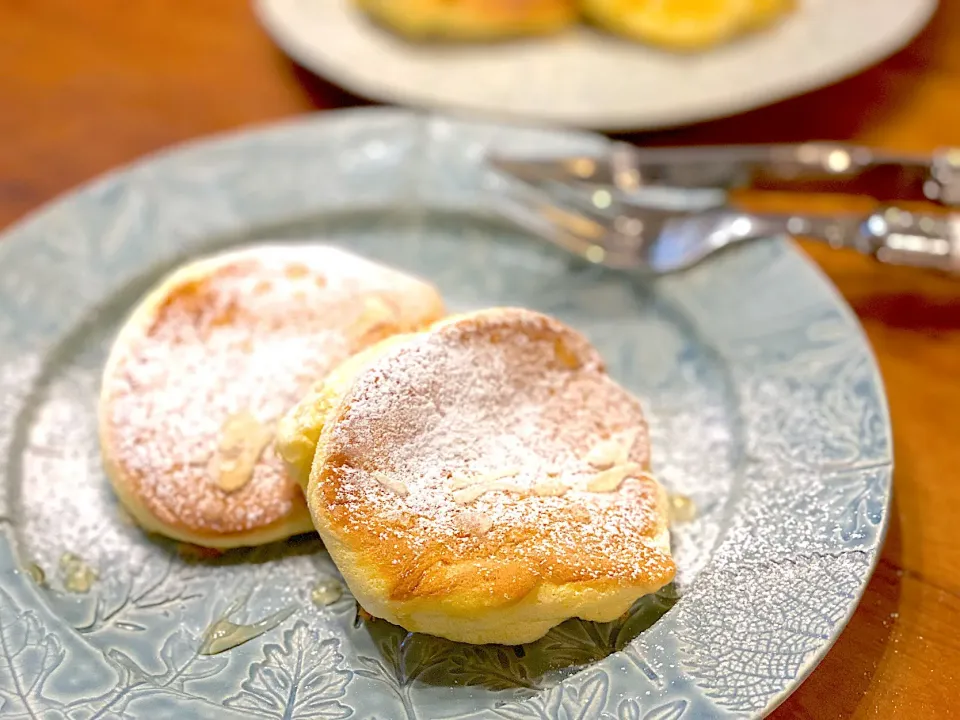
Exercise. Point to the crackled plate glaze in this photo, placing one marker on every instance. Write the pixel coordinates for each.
(764, 401)
(589, 79)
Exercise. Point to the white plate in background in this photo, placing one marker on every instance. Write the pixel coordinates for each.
(588, 79)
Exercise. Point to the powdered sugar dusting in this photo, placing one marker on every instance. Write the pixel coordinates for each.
(473, 419)
(245, 332)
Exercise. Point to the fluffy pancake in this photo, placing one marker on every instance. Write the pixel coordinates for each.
(483, 480)
(471, 19)
(684, 24)
(208, 362)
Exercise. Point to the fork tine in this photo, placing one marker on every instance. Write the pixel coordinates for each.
(591, 236)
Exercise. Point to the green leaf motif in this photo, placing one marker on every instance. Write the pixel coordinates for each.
(491, 666)
(300, 678)
(28, 656)
(577, 643)
(404, 656)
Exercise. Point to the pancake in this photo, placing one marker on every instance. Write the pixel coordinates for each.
(684, 24)
(483, 480)
(212, 358)
(471, 19)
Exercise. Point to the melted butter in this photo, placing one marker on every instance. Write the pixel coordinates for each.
(36, 573)
(682, 508)
(243, 438)
(362, 617)
(78, 577)
(326, 592)
(224, 635)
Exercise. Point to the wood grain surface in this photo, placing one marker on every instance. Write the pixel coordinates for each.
(88, 84)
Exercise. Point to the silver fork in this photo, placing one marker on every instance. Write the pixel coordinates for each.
(659, 239)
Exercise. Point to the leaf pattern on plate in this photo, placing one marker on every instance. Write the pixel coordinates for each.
(631, 709)
(181, 662)
(764, 624)
(408, 661)
(495, 667)
(857, 498)
(404, 658)
(127, 605)
(584, 699)
(409, 658)
(28, 656)
(300, 678)
(576, 643)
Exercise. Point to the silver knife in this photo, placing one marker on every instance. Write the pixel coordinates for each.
(627, 168)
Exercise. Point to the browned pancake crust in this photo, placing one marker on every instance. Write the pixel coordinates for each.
(243, 332)
(472, 19)
(479, 396)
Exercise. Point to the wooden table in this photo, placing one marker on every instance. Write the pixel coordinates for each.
(88, 84)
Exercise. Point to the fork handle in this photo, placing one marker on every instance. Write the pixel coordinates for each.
(891, 235)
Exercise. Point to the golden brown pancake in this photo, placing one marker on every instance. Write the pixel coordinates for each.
(483, 480)
(208, 362)
(471, 19)
(684, 24)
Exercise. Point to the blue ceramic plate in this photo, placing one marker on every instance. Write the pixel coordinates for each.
(765, 405)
